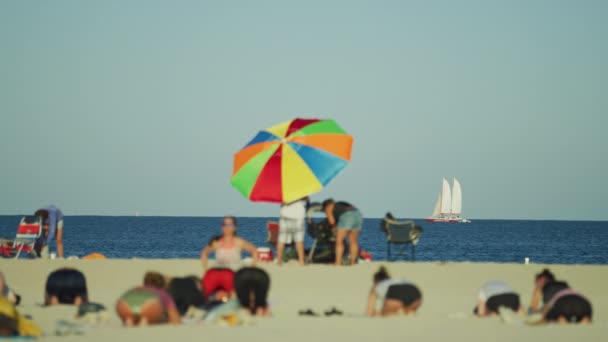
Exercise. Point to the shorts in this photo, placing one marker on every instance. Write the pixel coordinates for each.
(217, 279)
(351, 220)
(291, 230)
(572, 307)
(136, 298)
(405, 293)
(508, 300)
(42, 250)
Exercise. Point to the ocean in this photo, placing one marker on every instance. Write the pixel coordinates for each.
(551, 242)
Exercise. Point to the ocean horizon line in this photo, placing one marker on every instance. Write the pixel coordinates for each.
(274, 217)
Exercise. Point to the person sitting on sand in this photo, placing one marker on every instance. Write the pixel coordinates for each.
(540, 280)
(66, 286)
(251, 286)
(564, 305)
(495, 294)
(392, 296)
(217, 283)
(348, 221)
(7, 292)
(149, 304)
(228, 247)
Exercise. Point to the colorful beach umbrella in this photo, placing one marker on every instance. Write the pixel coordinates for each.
(291, 160)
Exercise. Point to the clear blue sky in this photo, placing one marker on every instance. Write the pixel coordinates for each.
(113, 107)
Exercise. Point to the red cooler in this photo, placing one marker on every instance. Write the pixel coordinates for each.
(265, 254)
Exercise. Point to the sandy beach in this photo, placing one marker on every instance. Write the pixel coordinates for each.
(449, 293)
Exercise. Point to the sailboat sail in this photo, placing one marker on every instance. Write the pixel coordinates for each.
(437, 209)
(456, 198)
(446, 198)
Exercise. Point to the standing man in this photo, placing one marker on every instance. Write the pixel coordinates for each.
(348, 221)
(291, 228)
(52, 223)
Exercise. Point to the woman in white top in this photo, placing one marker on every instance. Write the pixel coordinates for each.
(228, 248)
(392, 296)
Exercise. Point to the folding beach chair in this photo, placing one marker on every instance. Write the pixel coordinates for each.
(272, 227)
(29, 230)
(400, 233)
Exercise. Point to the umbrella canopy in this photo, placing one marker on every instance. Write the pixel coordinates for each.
(291, 160)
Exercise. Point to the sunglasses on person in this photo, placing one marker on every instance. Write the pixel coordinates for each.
(228, 225)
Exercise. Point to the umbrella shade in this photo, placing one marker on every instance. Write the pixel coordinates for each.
(291, 160)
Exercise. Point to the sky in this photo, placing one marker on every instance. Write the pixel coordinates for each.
(117, 107)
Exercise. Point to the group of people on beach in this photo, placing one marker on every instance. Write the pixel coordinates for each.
(232, 297)
(228, 292)
(344, 219)
(560, 303)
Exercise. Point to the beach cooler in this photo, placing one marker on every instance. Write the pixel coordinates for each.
(265, 254)
(365, 256)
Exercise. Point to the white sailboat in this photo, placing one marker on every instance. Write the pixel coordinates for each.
(448, 207)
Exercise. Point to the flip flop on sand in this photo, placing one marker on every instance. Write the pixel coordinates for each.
(333, 312)
(308, 312)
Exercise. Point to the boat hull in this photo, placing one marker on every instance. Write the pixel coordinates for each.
(446, 220)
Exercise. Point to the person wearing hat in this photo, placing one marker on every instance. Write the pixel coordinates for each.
(13, 324)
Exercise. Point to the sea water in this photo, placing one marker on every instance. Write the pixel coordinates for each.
(563, 242)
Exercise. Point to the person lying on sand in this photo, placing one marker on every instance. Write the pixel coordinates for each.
(149, 304)
(392, 296)
(66, 286)
(251, 286)
(493, 295)
(228, 247)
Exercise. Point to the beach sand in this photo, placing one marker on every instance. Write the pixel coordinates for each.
(449, 294)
